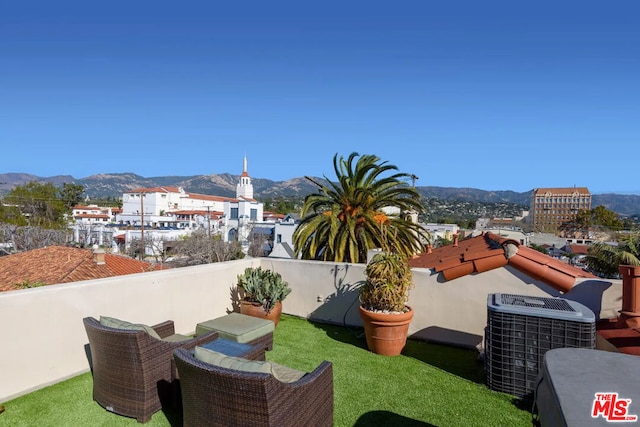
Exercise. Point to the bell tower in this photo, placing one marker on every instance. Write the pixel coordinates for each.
(244, 187)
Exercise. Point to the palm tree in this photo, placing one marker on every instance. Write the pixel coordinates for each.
(345, 219)
(604, 259)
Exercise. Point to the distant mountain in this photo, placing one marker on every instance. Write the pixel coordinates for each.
(476, 195)
(113, 185)
(10, 180)
(623, 204)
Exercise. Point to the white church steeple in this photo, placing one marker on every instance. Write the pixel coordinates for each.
(244, 187)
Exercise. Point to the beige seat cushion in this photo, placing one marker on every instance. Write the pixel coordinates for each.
(176, 338)
(237, 327)
(281, 373)
(112, 322)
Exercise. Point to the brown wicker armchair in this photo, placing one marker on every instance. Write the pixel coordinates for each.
(133, 372)
(215, 396)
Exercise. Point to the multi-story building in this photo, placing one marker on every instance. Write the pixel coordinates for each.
(283, 236)
(93, 214)
(170, 211)
(550, 207)
(91, 224)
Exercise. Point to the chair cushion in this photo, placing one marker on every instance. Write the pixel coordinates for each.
(112, 322)
(176, 338)
(281, 373)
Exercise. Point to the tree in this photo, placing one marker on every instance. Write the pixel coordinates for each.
(71, 195)
(138, 247)
(10, 214)
(199, 248)
(539, 248)
(154, 246)
(442, 241)
(598, 218)
(25, 238)
(283, 204)
(604, 259)
(39, 204)
(347, 218)
(260, 241)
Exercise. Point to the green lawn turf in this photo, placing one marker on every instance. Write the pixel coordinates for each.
(428, 385)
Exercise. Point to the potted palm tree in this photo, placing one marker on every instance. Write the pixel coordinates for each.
(264, 291)
(383, 303)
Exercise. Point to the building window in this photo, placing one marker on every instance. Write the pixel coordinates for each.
(279, 238)
(234, 213)
(254, 214)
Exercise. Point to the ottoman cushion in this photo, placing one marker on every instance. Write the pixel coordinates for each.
(237, 327)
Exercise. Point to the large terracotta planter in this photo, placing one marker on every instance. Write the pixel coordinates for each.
(256, 310)
(386, 333)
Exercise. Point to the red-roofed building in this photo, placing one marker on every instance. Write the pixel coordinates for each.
(550, 207)
(61, 264)
(272, 217)
(489, 251)
(93, 214)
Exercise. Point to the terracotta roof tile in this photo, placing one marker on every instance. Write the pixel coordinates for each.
(568, 190)
(167, 189)
(97, 216)
(61, 264)
(208, 197)
(579, 249)
(489, 251)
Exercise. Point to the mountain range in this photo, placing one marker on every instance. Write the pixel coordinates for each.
(114, 184)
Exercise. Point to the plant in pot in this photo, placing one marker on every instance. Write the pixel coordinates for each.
(383, 303)
(264, 291)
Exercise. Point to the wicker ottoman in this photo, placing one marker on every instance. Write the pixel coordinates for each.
(240, 328)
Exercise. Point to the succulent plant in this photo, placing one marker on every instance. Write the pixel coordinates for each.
(263, 286)
(388, 282)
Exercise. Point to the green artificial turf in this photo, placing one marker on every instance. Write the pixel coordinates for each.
(428, 385)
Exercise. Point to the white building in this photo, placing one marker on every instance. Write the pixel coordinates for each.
(442, 231)
(170, 212)
(90, 224)
(93, 214)
(283, 237)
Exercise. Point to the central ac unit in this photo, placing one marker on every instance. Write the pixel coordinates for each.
(520, 329)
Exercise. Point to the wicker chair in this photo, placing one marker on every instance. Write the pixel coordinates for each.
(134, 373)
(215, 396)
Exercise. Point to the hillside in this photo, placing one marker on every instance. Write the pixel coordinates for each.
(113, 185)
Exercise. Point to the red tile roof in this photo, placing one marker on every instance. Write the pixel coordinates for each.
(272, 215)
(167, 189)
(94, 216)
(208, 197)
(579, 249)
(560, 191)
(489, 251)
(61, 264)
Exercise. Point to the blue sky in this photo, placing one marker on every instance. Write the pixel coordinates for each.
(493, 95)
